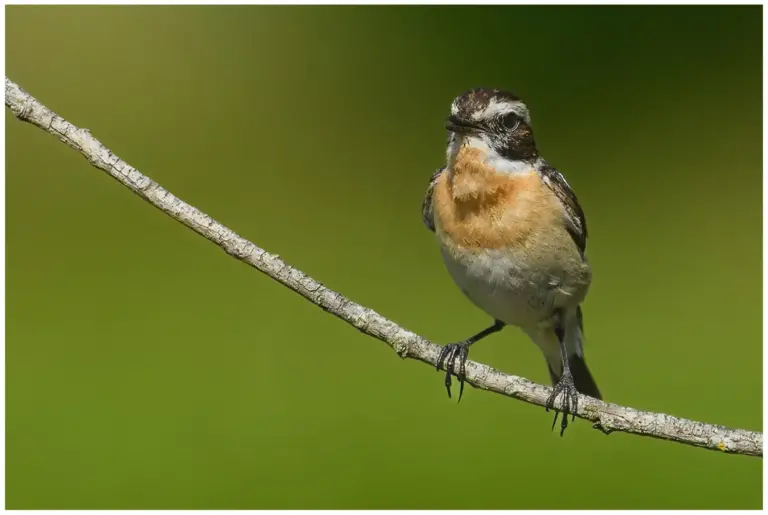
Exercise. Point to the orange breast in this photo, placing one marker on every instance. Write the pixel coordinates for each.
(477, 207)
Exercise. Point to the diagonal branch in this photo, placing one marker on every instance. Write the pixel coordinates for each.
(607, 417)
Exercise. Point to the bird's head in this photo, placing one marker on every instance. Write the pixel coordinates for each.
(494, 121)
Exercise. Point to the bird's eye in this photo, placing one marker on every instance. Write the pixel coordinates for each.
(511, 121)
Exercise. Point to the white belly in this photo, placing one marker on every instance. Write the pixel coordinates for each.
(505, 285)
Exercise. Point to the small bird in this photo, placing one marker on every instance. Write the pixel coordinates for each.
(513, 238)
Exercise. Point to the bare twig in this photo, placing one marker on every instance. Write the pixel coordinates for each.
(607, 417)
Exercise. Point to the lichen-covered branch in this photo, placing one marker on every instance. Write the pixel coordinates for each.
(607, 417)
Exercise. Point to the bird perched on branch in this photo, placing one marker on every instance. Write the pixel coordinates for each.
(513, 238)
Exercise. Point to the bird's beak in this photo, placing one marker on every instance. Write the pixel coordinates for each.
(454, 124)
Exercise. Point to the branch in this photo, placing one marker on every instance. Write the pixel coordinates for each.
(607, 417)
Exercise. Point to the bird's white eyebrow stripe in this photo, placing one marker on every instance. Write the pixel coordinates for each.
(496, 108)
(455, 107)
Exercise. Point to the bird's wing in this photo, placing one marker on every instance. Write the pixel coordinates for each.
(576, 222)
(427, 215)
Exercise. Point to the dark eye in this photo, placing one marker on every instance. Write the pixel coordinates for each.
(510, 121)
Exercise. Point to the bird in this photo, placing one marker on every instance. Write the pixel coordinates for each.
(513, 237)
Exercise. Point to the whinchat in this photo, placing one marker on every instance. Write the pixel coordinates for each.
(513, 238)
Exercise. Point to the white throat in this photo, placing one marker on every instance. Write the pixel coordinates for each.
(493, 158)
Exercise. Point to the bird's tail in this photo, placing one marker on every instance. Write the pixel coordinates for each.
(549, 343)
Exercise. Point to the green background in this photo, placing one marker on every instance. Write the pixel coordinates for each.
(147, 369)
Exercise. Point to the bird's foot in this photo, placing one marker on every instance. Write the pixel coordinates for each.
(453, 359)
(568, 403)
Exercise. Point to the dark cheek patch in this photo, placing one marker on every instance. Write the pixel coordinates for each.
(520, 145)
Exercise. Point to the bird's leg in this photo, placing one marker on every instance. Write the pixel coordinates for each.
(453, 351)
(566, 385)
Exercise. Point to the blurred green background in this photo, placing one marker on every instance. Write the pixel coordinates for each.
(147, 369)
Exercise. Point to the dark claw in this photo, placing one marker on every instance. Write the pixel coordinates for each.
(441, 358)
(569, 403)
(555, 420)
(447, 361)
